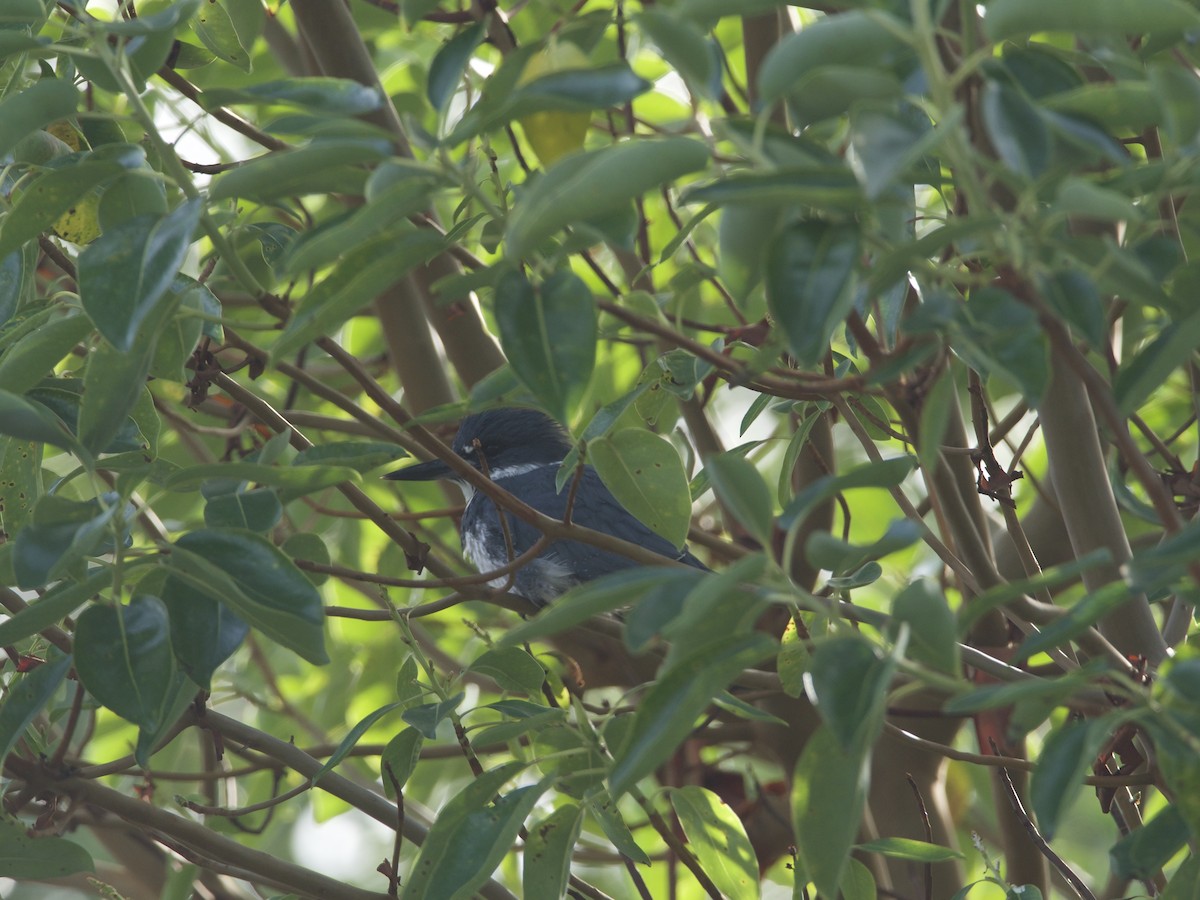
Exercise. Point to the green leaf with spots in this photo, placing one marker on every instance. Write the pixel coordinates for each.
(645, 474)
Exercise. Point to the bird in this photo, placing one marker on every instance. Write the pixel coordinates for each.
(521, 450)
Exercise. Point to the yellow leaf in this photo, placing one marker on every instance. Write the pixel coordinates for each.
(555, 133)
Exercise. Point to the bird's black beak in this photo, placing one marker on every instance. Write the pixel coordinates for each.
(426, 471)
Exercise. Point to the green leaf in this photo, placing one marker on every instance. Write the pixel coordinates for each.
(255, 510)
(828, 796)
(15, 279)
(26, 697)
(385, 207)
(123, 657)
(24, 112)
(216, 30)
(264, 587)
(936, 410)
(399, 760)
(668, 712)
(324, 96)
(645, 474)
(847, 682)
(470, 836)
(1066, 756)
(850, 40)
(52, 607)
(933, 629)
(887, 473)
(1073, 296)
(1093, 608)
(450, 63)
(32, 358)
(830, 185)
(511, 668)
(359, 278)
(352, 738)
(810, 268)
(312, 169)
(578, 90)
(31, 421)
(718, 838)
(743, 493)
(362, 456)
(62, 532)
(593, 598)
(548, 850)
(604, 808)
(1001, 336)
(1016, 130)
(64, 397)
(906, 848)
(1104, 18)
(306, 479)
(163, 21)
(686, 48)
(744, 232)
(1141, 376)
(204, 633)
(426, 717)
(548, 333)
(36, 858)
(125, 272)
(181, 693)
(1144, 851)
(113, 384)
(993, 696)
(889, 143)
(40, 204)
(508, 731)
(828, 552)
(597, 183)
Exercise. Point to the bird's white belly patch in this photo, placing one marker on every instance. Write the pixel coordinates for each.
(539, 580)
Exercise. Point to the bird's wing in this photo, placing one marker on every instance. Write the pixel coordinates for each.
(596, 508)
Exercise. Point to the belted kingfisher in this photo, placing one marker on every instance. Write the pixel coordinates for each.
(522, 450)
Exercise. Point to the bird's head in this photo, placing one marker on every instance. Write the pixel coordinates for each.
(509, 440)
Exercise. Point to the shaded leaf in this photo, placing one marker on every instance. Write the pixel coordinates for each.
(1109, 18)
(204, 633)
(125, 272)
(470, 836)
(26, 698)
(1066, 756)
(327, 96)
(399, 760)
(548, 332)
(306, 170)
(123, 657)
(449, 64)
(670, 708)
(35, 858)
(810, 266)
(426, 717)
(23, 112)
(743, 493)
(260, 584)
(828, 796)
(596, 183)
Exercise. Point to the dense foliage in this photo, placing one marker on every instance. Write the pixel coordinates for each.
(882, 305)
